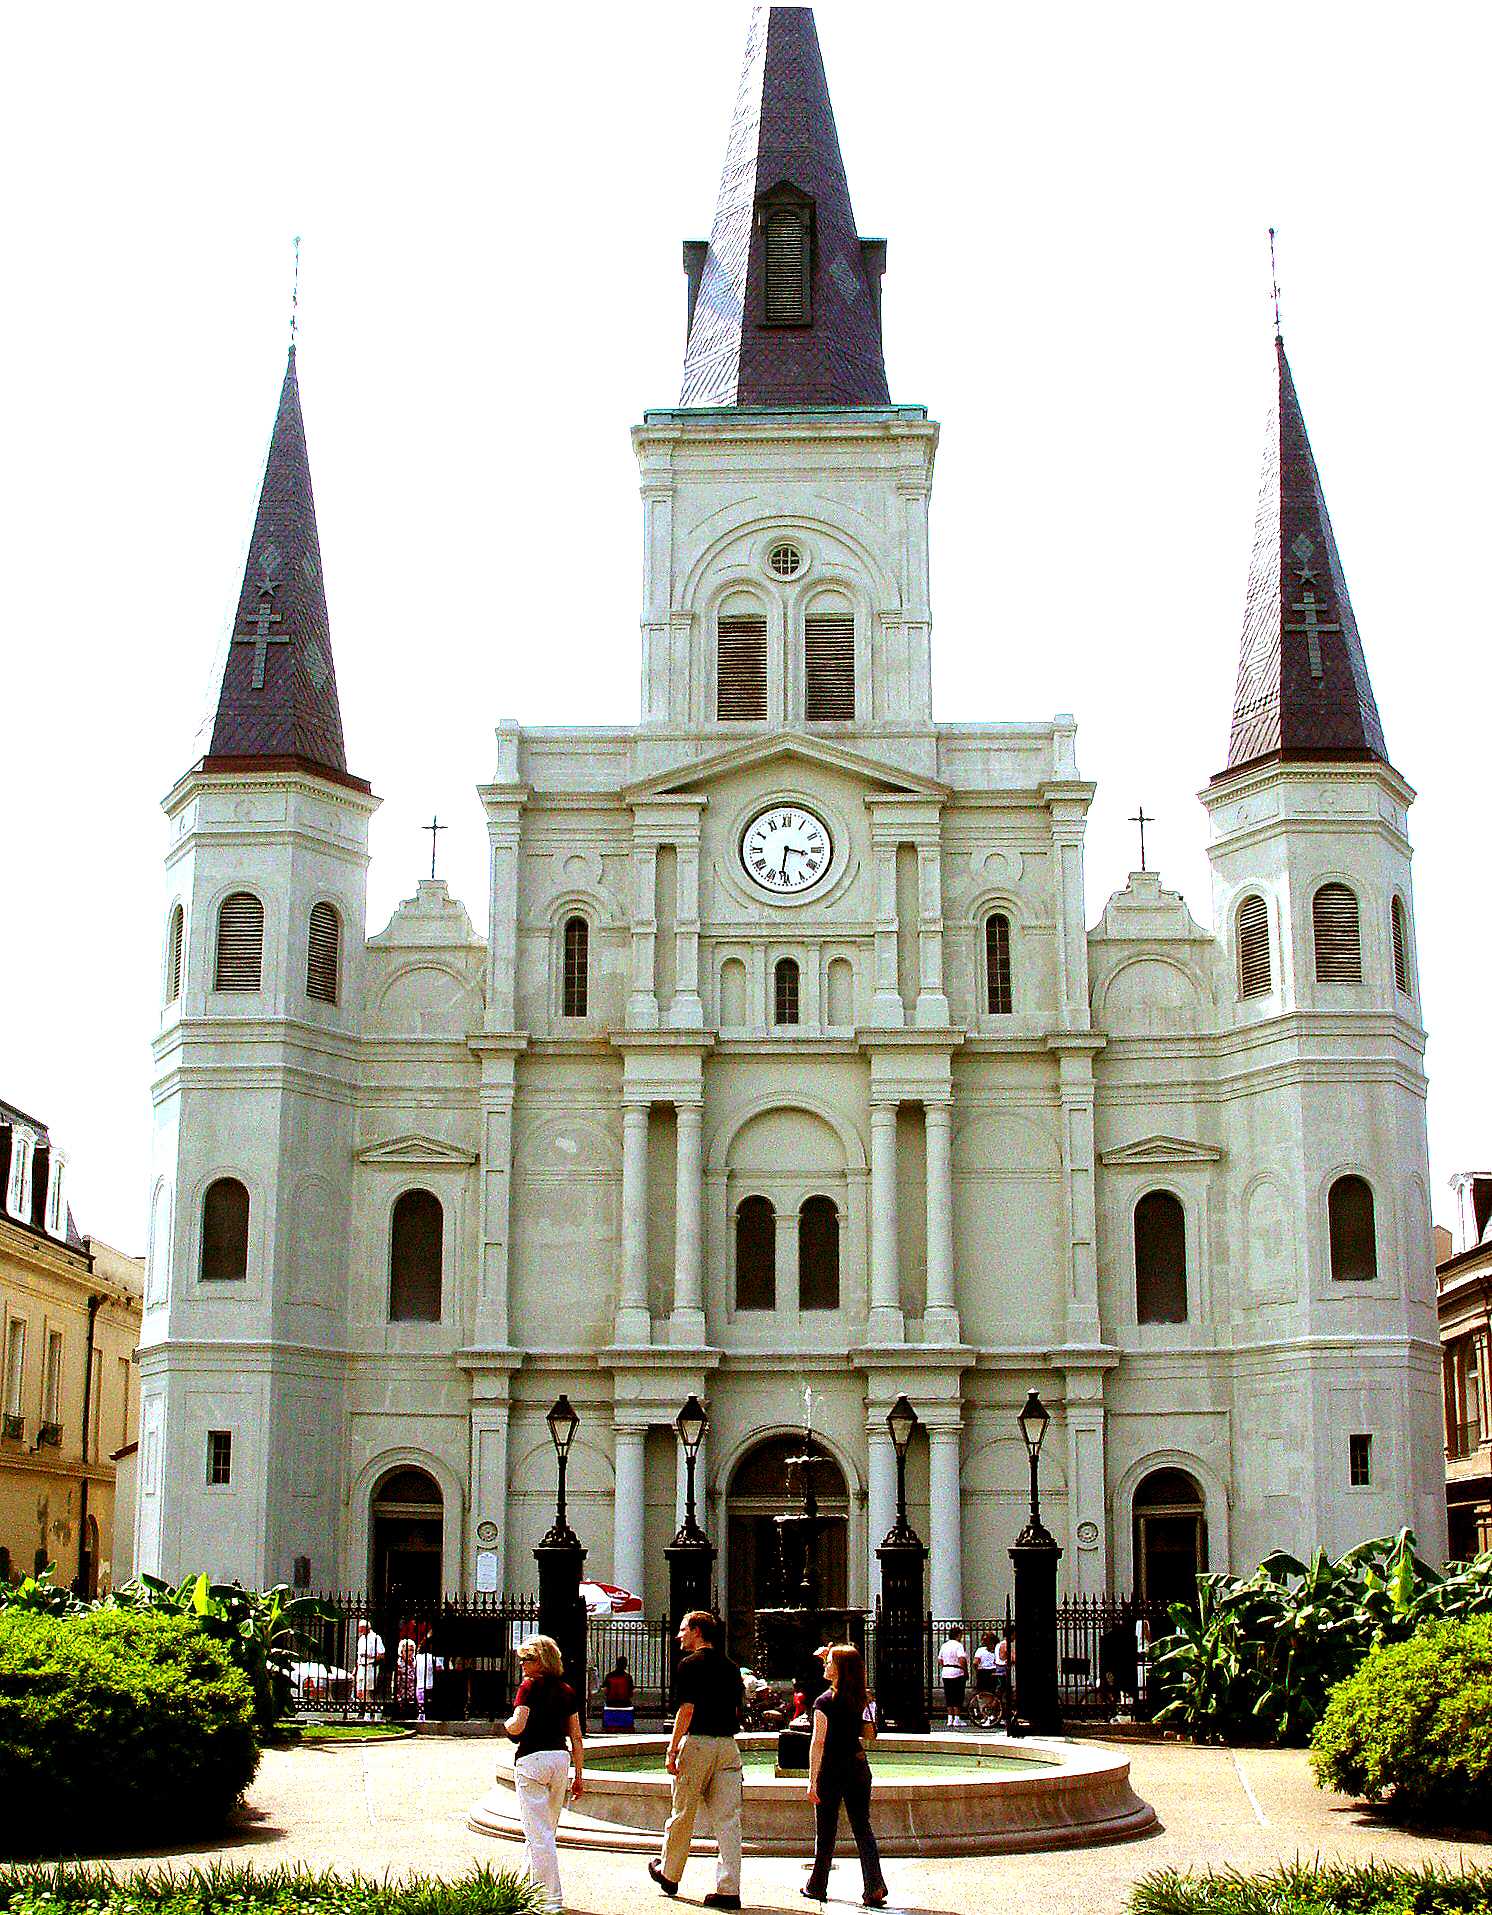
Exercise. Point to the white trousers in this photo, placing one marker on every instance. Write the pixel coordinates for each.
(541, 1780)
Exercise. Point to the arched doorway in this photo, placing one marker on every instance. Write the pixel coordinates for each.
(1170, 1537)
(408, 1525)
(759, 1492)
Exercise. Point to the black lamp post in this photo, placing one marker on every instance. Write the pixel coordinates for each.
(560, 1556)
(901, 1691)
(1034, 1555)
(691, 1554)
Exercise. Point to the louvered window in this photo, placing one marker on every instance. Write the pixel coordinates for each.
(1401, 945)
(829, 667)
(785, 991)
(818, 1255)
(756, 1255)
(240, 943)
(1338, 942)
(173, 955)
(1253, 947)
(225, 1232)
(741, 667)
(416, 1242)
(576, 988)
(787, 268)
(1160, 1259)
(321, 954)
(998, 999)
(1354, 1243)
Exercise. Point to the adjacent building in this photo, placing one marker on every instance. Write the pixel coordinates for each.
(1464, 1276)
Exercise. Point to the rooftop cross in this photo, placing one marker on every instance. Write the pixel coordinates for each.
(261, 637)
(434, 826)
(1306, 606)
(1141, 818)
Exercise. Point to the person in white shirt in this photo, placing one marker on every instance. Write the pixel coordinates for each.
(953, 1666)
(370, 1653)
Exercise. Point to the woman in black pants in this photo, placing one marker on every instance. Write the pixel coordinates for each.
(838, 1772)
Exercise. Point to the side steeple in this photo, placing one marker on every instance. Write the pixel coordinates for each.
(1303, 690)
(785, 298)
(277, 706)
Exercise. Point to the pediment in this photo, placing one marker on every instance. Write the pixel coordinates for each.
(412, 1148)
(1160, 1150)
(789, 747)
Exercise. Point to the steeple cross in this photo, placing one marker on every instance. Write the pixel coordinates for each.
(261, 638)
(1305, 550)
(434, 826)
(1142, 818)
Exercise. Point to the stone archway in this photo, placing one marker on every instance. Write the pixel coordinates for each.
(757, 1493)
(407, 1528)
(1170, 1536)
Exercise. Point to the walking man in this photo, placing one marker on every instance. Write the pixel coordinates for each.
(704, 1761)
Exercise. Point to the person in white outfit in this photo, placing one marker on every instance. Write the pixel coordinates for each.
(545, 1718)
(953, 1666)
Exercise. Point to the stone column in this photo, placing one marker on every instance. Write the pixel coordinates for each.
(488, 1502)
(626, 1549)
(941, 1321)
(687, 1012)
(642, 999)
(945, 1524)
(881, 1508)
(932, 999)
(687, 1324)
(886, 1007)
(633, 1324)
(885, 1272)
(1089, 1558)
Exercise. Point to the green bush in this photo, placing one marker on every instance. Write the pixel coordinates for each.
(117, 1726)
(244, 1891)
(1414, 1722)
(1312, 1889)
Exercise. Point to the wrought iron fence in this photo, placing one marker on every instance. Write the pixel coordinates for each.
(1103, 1654)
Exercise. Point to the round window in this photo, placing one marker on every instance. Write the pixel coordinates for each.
(785, 560)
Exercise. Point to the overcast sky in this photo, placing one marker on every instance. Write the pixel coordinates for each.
(491, 202)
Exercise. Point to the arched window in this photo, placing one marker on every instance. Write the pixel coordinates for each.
(997, 997)
(741, 666)
(415, 1242)
(1354, 1244)
(173, 954)
(1253, 947)
(323, 945)
(756, 1255)
(818, 1255)
(225, 1232)
(1160, 1258)
(1338, 940)
(785, 991)
(1401, 945)
(575, 992)
(240, 943)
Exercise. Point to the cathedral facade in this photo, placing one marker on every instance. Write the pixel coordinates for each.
(789, 1072)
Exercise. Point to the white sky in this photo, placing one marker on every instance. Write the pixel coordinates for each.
(491, 203)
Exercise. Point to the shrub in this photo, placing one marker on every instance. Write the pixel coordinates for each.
(1313, 1889)
(244, 1891)
(1415, 1722)
(115, 1725)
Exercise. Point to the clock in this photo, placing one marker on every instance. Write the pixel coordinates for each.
(786, 849)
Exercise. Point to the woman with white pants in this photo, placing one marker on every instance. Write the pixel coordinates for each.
(545, 1719)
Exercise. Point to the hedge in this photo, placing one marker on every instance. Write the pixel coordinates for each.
(71, 1890)
(1314, 1889)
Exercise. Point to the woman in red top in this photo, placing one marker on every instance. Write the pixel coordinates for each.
(546, 1716)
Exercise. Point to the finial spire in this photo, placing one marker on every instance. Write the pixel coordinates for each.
(295, 293)
(1275, 282)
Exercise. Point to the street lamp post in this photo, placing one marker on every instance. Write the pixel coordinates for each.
(1035, 1555)
(901, 1690)
(560, 1555)
(691, 1554)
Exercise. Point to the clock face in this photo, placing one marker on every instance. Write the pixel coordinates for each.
(786, 850)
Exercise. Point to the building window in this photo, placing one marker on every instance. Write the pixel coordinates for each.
(323, 946)
(785, 991)
(416, 1242)
(997, 998)
(1354, 1248)
(1360, 1460)
(219, 1457)
(1160, 1259)
(240, 943)
(51, 1389)
(756, 1255)
(785, 561)
(789, 251)
(15, 1366)
(1463, 1396)
(1401, 945)
(741, 667)
(174, 938)
(1338, 940)
(575, 997)
(818, 1255)
(225, 1232)
(1253, 947)
(829, 667)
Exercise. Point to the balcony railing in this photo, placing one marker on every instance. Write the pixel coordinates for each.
(1463, 1439)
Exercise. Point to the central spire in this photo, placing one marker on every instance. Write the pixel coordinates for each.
(785, 299)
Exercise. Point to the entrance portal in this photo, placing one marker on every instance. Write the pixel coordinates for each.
(1170, 1537)
(758, 1493)
(408, 1530)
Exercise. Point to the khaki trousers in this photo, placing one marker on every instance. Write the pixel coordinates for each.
(709, 1773)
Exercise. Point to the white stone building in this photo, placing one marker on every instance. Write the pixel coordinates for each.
(789, 1060)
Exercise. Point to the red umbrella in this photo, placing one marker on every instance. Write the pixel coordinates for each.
(606, 1599)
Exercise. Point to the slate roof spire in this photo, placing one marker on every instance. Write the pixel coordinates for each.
(277, 706)
(1303, 690)
(783, 156)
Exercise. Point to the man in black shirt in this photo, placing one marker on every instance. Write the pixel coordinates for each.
(704, 1761)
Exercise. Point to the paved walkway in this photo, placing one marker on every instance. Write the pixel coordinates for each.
(401, 1807)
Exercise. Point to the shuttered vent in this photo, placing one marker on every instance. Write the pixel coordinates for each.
(741, 667)
(173, 956)
(1401, 946)
(1338, 943)
(240, 943)
(829, 667)
(787, 256)
(321, 955)
(1253, 948)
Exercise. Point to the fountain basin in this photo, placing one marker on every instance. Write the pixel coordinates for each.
(934, 1795)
